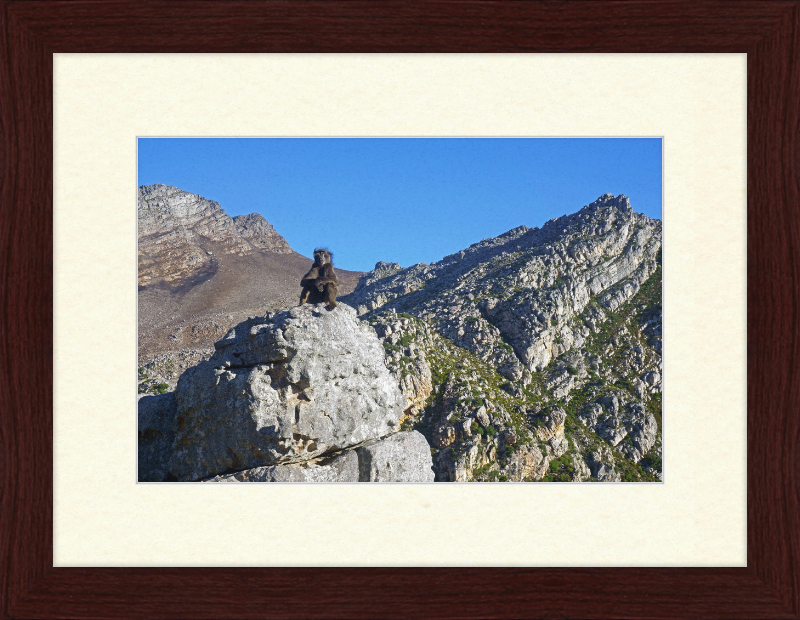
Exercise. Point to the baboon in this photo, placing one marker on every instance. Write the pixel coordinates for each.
(320, 283)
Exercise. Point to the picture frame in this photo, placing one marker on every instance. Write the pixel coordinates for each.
(768, 31)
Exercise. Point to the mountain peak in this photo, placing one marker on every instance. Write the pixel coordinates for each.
(605, 250)
(180, 232)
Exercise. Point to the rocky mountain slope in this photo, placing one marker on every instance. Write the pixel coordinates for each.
(542, 348)
(201, 272)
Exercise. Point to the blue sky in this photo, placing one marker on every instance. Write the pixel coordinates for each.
(404, 200)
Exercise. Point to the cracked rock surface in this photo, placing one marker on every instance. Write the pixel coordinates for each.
(284, 388)
(402, 457)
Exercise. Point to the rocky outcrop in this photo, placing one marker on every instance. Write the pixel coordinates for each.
(287, 387)
(180, 233)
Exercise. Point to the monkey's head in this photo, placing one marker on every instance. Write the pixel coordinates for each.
(322, 256)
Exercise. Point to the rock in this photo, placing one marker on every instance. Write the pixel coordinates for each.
(156, 435)
(591, 414)
(482, 417)
(411, 370)
(343, 468)
(510, 436)
(601, 464)
(652, 378)
(284, 388)
(553, 431)
(527, 463)
(458, 466)
(643, 430)
(445, 435)
(570, 312)
(403, 457)
(553, 424)
(610, 403)
(582, 471)
(612, 431)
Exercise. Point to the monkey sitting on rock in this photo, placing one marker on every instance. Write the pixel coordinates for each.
(320, 283)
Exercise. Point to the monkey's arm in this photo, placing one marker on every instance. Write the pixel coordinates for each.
(327, 276)
(310, 279)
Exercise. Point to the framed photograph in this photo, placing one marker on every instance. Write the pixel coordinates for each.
(497, 317)
(57, 554)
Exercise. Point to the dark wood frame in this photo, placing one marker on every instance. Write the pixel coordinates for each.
(767, 30)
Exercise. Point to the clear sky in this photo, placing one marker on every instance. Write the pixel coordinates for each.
(404, 200)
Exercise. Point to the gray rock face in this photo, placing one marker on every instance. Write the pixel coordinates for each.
(403, 457)
(284, 388)
(535, 356)
(156, 435)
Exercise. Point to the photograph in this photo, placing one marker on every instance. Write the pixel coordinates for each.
(412, 310)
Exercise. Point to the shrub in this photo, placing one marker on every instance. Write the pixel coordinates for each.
(653, 461)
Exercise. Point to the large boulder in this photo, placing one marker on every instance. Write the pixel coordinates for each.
(404, 457)
(288, 387)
